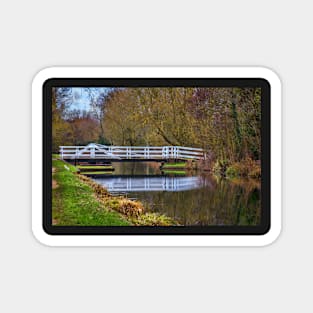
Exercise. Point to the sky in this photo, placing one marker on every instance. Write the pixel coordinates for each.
(82, 99)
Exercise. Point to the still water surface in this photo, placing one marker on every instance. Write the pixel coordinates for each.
(191, 198)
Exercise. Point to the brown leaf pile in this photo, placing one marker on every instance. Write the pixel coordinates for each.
(125, 206)
(130, 208)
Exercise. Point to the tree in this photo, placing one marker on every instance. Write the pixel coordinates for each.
(226, 122)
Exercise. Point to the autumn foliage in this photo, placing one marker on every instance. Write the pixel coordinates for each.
(226, 122)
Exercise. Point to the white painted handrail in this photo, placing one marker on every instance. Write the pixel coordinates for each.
(97, 151)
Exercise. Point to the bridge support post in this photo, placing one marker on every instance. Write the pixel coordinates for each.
(165, 152)
(93, 152)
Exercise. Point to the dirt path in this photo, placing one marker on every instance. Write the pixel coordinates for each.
(54, 183)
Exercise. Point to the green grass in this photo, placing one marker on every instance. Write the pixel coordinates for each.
(97, 172)
(174, 165)
(94, 167)
(174, 172)
(74, 203)
(69, 167)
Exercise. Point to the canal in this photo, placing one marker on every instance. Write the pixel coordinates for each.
(190, 197)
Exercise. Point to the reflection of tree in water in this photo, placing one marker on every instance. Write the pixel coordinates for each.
(215, 203)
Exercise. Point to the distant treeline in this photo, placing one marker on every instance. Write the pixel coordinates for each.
(224, 121)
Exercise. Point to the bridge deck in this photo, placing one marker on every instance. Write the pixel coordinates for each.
(119, 153)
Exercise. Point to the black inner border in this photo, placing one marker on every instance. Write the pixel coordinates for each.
(260, 229)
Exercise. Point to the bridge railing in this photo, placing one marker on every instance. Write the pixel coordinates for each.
(96, 151)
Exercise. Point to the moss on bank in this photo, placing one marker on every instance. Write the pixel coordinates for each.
(78, 200)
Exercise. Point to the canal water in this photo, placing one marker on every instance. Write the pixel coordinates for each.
(190, 197)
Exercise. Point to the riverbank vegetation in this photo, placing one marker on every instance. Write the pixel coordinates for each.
(95, 167)
(226, 122)
(78, 200)
(174, 165)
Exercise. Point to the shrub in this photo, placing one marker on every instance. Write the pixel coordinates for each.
(255, 171)
(232, 171)
(154, 219)
(130, 207)
(220, 167)
(245, 168)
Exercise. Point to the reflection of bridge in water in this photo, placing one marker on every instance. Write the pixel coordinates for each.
(149, 183)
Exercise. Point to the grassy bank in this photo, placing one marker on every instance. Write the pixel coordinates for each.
(174, 172)
(178, 165)
(73, 202)
(78, 200)
(97, 173)
(178, 168)
(95, 167)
